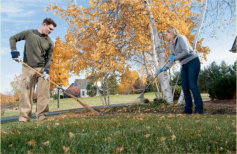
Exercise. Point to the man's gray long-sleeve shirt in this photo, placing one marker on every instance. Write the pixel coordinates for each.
(38, 50)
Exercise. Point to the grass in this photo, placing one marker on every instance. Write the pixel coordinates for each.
(131, 130)
(70, 103)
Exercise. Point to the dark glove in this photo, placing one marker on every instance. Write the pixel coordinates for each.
(162, 70)
(46, 73)
(15, 55)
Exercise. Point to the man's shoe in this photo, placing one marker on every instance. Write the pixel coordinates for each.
(42, 118)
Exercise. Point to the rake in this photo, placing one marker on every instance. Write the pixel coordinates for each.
(64, 91)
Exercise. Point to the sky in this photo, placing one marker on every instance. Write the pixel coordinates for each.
(19, 15)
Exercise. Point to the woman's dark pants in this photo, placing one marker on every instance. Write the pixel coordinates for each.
(189, 77)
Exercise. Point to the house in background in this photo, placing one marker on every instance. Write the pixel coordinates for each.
(78, 88)
(233, 49)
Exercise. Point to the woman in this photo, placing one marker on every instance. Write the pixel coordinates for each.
(183, 52)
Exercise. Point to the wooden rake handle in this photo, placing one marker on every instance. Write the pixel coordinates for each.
(85, 105)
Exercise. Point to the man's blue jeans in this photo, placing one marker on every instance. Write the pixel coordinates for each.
(189, 77)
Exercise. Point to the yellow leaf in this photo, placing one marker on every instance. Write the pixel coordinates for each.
(162, 139)
(173, 137)
(66, 149)
(31, 142)
(119, 149)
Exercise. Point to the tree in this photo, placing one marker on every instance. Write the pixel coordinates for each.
(6, 101)
(74, 90)
(131, 83)
(91, 89)
(221, 81)
(107, 34)
(62, 57)
(16, 87)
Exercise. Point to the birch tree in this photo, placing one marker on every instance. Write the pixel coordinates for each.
(108, 33)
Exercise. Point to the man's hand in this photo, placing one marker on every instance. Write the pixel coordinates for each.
(46, 74)
(162, 70)
(15, 55)
(172, 57)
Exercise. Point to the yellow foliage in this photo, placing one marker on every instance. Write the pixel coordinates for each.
(62, 61)
(103, 37)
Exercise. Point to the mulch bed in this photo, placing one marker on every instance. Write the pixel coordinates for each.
(231, 102)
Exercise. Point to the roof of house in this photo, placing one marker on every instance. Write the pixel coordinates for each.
(81, 83)
(233, 49)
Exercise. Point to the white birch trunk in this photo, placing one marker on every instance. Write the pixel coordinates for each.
(98, 91)
(159, 56)
(108, 93)
(200, 24)
(181, 97)
(104, 91)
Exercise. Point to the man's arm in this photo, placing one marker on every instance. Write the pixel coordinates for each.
(18, 37)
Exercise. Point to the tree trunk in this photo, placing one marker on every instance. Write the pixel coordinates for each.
(98, 91)
(181, 97)
(108, 93)
(200, 24)
(159, 56)
(104, 91)
(58, 97)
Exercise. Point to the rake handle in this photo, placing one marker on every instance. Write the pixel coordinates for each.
(85, 105)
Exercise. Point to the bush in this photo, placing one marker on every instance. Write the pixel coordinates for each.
(91, 89)
(223, 88)
(159, 101)
(55, 96)
(146, 100)
(177, 92)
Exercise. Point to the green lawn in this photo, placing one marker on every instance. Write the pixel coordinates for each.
(70, 103)
(122, 133)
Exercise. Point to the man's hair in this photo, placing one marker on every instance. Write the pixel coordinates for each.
(49, 21)
(174, 31)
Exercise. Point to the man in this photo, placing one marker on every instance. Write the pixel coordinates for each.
(38, 53)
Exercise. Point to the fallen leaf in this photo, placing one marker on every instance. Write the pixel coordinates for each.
(119, 149)
(108, 139)
(2, 132)
(71, 134)
(148, 127)
(18, 133)
(173, 137)
(147, 135)
(29, 152)
(56, 124)
(31, 142)
(46, 143)
(233, 124)
(162, 139)
(171, 116)
(66, 149)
